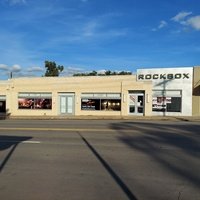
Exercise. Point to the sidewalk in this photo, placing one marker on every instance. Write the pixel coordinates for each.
(146, 118)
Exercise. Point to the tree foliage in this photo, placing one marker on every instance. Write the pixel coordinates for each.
(107, 73)
(52, 69)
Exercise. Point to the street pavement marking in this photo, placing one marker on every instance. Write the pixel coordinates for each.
(17, 141)
(62, 129)
(31, 142)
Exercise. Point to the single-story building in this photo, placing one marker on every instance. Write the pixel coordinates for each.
(158, 91)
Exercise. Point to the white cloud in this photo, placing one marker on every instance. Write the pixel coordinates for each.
(16, 68)
(69, 71)
(160, 26)
(18, 71)
(24, 74)
(90, 29)
(185, 19)
(181, 16)
(4, 67)
(35, 69)
(194, 22)
(101, 71)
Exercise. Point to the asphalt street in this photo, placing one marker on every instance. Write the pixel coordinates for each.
(99, 160)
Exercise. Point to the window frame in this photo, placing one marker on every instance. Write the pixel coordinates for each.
(161, 99)
(113, 101)
(35, 101)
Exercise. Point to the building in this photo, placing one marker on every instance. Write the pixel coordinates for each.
(164, 91)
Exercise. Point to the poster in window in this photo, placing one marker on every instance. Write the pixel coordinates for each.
(29, 103)
(159, 104)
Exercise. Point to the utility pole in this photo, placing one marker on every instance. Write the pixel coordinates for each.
(11, 75)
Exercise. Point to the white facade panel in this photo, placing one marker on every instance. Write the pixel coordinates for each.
(174, 79)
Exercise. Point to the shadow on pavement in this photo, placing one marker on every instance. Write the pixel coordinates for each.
(7, 142)
(165, 144)
(117, 179)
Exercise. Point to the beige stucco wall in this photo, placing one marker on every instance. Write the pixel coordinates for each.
(3, 87)
(76, 85)
(196, 92)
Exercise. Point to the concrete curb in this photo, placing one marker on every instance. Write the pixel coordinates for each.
(140, 118)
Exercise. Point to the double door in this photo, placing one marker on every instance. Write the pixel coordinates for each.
(136, 103)
(66, 104)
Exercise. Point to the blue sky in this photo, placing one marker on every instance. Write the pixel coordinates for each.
(86, 35)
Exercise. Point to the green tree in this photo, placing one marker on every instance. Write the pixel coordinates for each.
(93, 73)
(52, 69)
(108, 72)
(124, 73)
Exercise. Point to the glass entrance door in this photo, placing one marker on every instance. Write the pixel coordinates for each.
(66, 105)
(136, 103)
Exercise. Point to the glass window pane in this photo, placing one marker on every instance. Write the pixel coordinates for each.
(3, 106)
(2, 97)
(43, 103)
(173, 93)
(99, 95)
(25, 103)
(170, 102)
(159, 104)
(114, 95)
(175, 105)
(131, 109)
(140, 109)
(87, 95)
(158, 92)
(140, 100)
(30, 103)
(132, 99)
(35, 95)
(111, 104)
(45, 95)
(90, 104)
(23, 94)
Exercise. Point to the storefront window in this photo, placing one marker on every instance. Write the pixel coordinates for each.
(90, 104)
(175, 105)
(2, 106)
(166, 101)
(101, 101)
(111, 104)
(37, 101)
(2, 103)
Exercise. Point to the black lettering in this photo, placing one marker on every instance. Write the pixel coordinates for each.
(178, 76)
(186, 76)
(162, 76)
(148, 76)
(170, 76)
(140, 76)
(155, 76)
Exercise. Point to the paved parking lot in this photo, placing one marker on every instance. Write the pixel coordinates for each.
(99, 159)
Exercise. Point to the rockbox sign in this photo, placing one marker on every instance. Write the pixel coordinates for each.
(163, 76)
